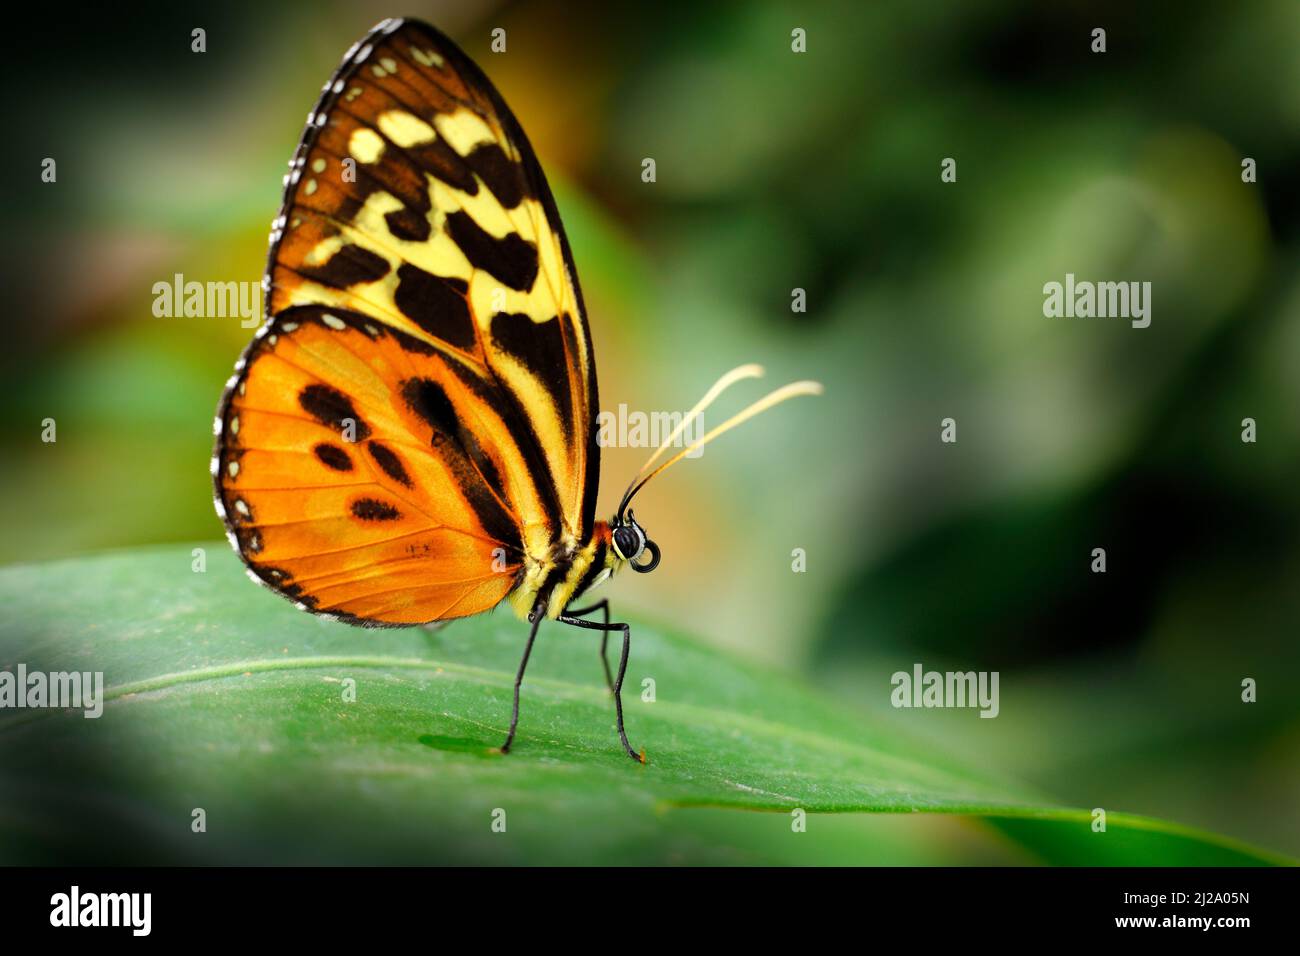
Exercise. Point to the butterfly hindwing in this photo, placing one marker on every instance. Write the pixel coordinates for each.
(342, 487)
(422, 289)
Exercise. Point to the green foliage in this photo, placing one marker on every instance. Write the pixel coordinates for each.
(222, 697)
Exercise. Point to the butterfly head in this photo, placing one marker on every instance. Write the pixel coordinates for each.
(630, 543)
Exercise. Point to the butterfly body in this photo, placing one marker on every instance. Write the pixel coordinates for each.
(410, 437)
(568, 572)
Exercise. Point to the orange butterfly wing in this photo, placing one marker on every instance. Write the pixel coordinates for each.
(396, 526)
(412, 431)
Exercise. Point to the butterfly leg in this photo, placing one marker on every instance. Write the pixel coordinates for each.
(603, 606)
(606, 627)
(536, 618)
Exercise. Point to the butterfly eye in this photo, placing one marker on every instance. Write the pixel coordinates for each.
(629, 541)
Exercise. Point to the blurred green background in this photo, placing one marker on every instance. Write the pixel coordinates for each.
(778, 171)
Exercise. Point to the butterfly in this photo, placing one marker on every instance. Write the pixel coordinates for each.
(411, 435)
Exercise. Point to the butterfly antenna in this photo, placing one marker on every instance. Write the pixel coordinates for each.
(785, 393)
(718, 387)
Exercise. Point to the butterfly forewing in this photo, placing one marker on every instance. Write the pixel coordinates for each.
(415, 420)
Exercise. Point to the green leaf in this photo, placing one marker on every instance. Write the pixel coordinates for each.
(222, 697)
